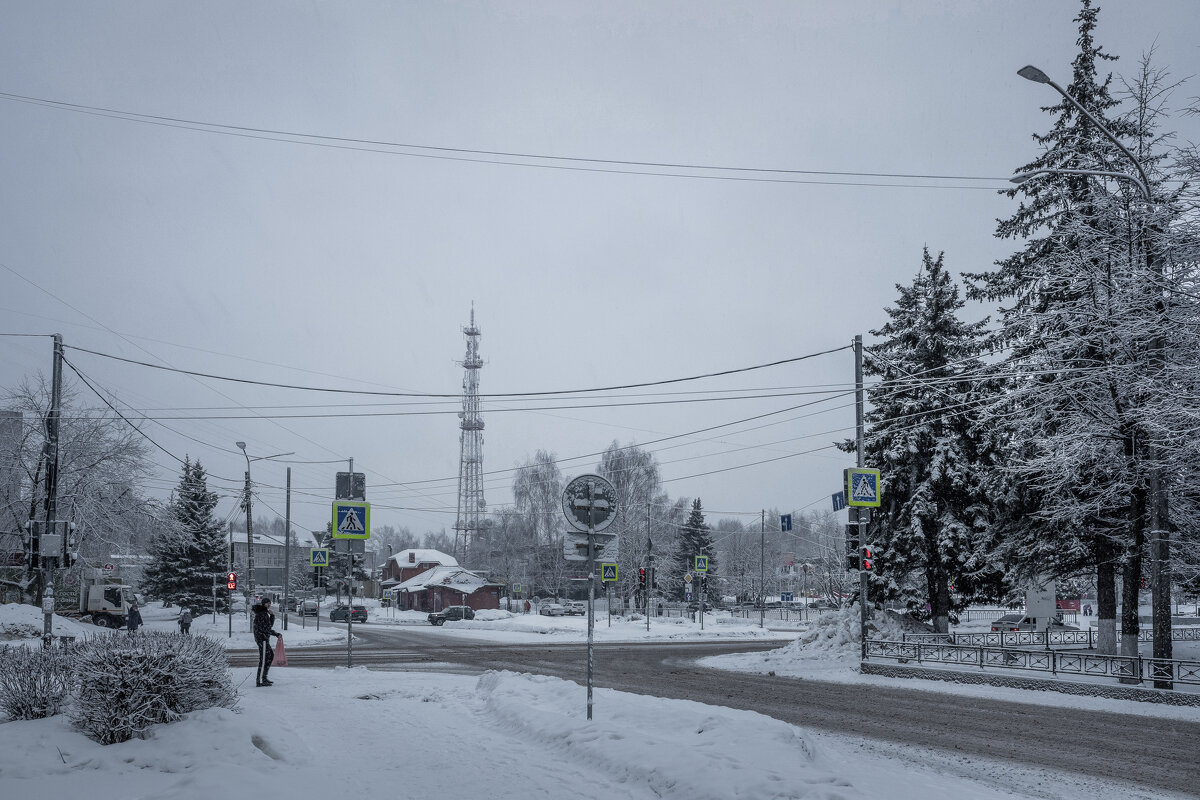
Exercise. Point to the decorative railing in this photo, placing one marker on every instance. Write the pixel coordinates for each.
(1086, 638)
(1055, 662)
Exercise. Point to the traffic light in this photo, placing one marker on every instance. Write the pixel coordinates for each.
(852, 553)
(231, 581)
(868, 558)
(642, 576)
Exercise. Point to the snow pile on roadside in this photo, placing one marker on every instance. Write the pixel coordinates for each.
(528, 737)
(23, 623)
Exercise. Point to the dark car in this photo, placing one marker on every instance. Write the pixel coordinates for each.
(339, 614)
(452, 613)
(308, 608)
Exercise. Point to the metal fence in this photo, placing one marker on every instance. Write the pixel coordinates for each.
(976, 614)
(1054, 662)
(1086, 638)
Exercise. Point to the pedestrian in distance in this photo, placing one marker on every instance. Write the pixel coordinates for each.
(185, 620)
(134, 618)
(264, 629)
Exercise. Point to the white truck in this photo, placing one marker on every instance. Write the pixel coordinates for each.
(107, 603)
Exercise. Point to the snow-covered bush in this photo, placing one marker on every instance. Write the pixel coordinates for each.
(128, 683)
(35, 682)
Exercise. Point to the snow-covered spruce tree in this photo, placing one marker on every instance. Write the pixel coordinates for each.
(920, 435)
(695, 539)
(1064, 464)
(191, 547)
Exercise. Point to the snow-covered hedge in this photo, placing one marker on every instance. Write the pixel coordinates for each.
(128, 683)
(35, 682)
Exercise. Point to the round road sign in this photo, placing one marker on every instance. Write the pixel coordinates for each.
(589, 501)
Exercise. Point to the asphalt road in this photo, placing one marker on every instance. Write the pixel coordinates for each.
(1150, 751)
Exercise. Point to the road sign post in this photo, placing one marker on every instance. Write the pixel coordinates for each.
(351, 520)
(589, 503)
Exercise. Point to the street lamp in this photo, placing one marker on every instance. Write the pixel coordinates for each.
(1031, 73)
(250, 516)
(1156, 496)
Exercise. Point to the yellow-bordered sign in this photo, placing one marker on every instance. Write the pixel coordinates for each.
(351, 519)
(862, 488)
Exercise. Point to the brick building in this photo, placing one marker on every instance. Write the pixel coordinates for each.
(429, 580)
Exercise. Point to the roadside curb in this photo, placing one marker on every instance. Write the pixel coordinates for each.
(1140, 694)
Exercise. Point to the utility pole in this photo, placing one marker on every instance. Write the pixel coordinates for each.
(649, 565)
(46, 559)
(762, 568)
(859, 520)
(287, 547)
(349, 586)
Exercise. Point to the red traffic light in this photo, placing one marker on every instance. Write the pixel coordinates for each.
(868, 558)
(642, 575)
(231, 581)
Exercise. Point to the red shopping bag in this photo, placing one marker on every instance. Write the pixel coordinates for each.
(280, 654)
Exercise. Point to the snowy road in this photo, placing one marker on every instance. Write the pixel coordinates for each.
(1143, 750)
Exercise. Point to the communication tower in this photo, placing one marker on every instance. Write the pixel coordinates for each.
(471, 505)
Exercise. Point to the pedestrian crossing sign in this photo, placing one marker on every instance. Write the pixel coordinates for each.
(351, 519)
(862, 488)
(608, 572)
(318, 557)
(701, 563)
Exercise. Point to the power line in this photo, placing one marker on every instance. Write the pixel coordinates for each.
(571, 163)
(482, 396)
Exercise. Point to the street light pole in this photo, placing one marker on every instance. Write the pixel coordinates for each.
(250, 516)
(249, 526)
(1157, 502)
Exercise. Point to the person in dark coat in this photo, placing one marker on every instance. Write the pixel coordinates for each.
(185, 620)
(264, 629)
(133, 619)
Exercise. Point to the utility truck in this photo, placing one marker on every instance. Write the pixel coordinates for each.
(106, 603)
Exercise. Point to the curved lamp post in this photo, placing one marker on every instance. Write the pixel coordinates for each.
(250, 517)
(1156, 499)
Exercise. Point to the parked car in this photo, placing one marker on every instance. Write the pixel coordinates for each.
(576, 608)
(451, 613)
(339, 614)
(307, 608)
(1019, 622)
(551, 610)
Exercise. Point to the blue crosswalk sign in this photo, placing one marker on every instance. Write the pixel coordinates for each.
(318, 557)
(785, 522)
(608, 572)
(862, 487)
(701, 563)
(351, 519)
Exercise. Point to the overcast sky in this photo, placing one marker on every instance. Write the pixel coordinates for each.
(342, 264)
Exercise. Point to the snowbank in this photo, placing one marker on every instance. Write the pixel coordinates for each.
(20, 623)
(519, 736)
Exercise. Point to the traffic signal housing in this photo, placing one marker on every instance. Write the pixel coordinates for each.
(852, 553)
(868, 558)
(642, 576)
(231, 581)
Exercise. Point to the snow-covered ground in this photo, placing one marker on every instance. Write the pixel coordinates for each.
(357, 733)
(321, 733)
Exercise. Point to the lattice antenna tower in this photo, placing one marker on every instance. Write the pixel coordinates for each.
(471, 505)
